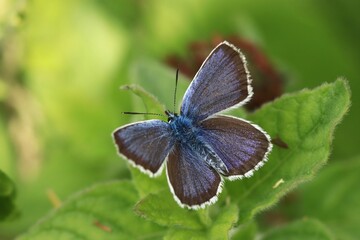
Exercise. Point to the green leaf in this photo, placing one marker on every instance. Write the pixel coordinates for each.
(309, 229)
(305, 121)
(157, 80)
(162, 209)
(245, 231)
(145, 185)
(184, 234)
(219, 229)
(223, 222)
(150, 102)
(101, 212)
(183, 223)
(336, 195)
(7, 195)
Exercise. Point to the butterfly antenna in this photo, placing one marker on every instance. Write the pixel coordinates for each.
(176, 83)
(142, 113)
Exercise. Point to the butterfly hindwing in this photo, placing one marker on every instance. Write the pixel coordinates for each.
(242, 146)
(193, 182)
(145, 144)
(222, 82)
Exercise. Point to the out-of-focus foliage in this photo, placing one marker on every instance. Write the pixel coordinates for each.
(335, 190)
(303, 229)
(61, 66)
(101, 212)
(7, 195)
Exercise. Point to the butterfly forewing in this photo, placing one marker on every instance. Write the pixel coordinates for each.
(146, 144)
(242, 146)
(222, 82)
(193, 182)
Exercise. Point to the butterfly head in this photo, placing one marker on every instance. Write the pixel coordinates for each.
(171, 116)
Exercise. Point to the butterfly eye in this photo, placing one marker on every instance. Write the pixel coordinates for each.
(170, 115)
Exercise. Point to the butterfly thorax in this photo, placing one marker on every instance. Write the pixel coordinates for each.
(184, 130)
(189, 134)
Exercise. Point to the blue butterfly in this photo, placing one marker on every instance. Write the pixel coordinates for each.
(199, 147)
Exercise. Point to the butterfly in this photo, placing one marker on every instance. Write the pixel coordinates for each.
(199, 146)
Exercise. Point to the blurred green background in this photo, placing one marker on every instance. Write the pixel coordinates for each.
(62, 63)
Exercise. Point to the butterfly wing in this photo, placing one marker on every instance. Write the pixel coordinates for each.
(222, 81)
(145, 144)
(193, 183)
(242, 146)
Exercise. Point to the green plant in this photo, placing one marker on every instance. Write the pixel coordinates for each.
(310, 117)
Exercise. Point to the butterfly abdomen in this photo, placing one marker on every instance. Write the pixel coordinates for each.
(189, 135)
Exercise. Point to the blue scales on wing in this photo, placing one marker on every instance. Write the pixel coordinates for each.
(146, 144)
(240, 145)
(222, 82)
(193, 182)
